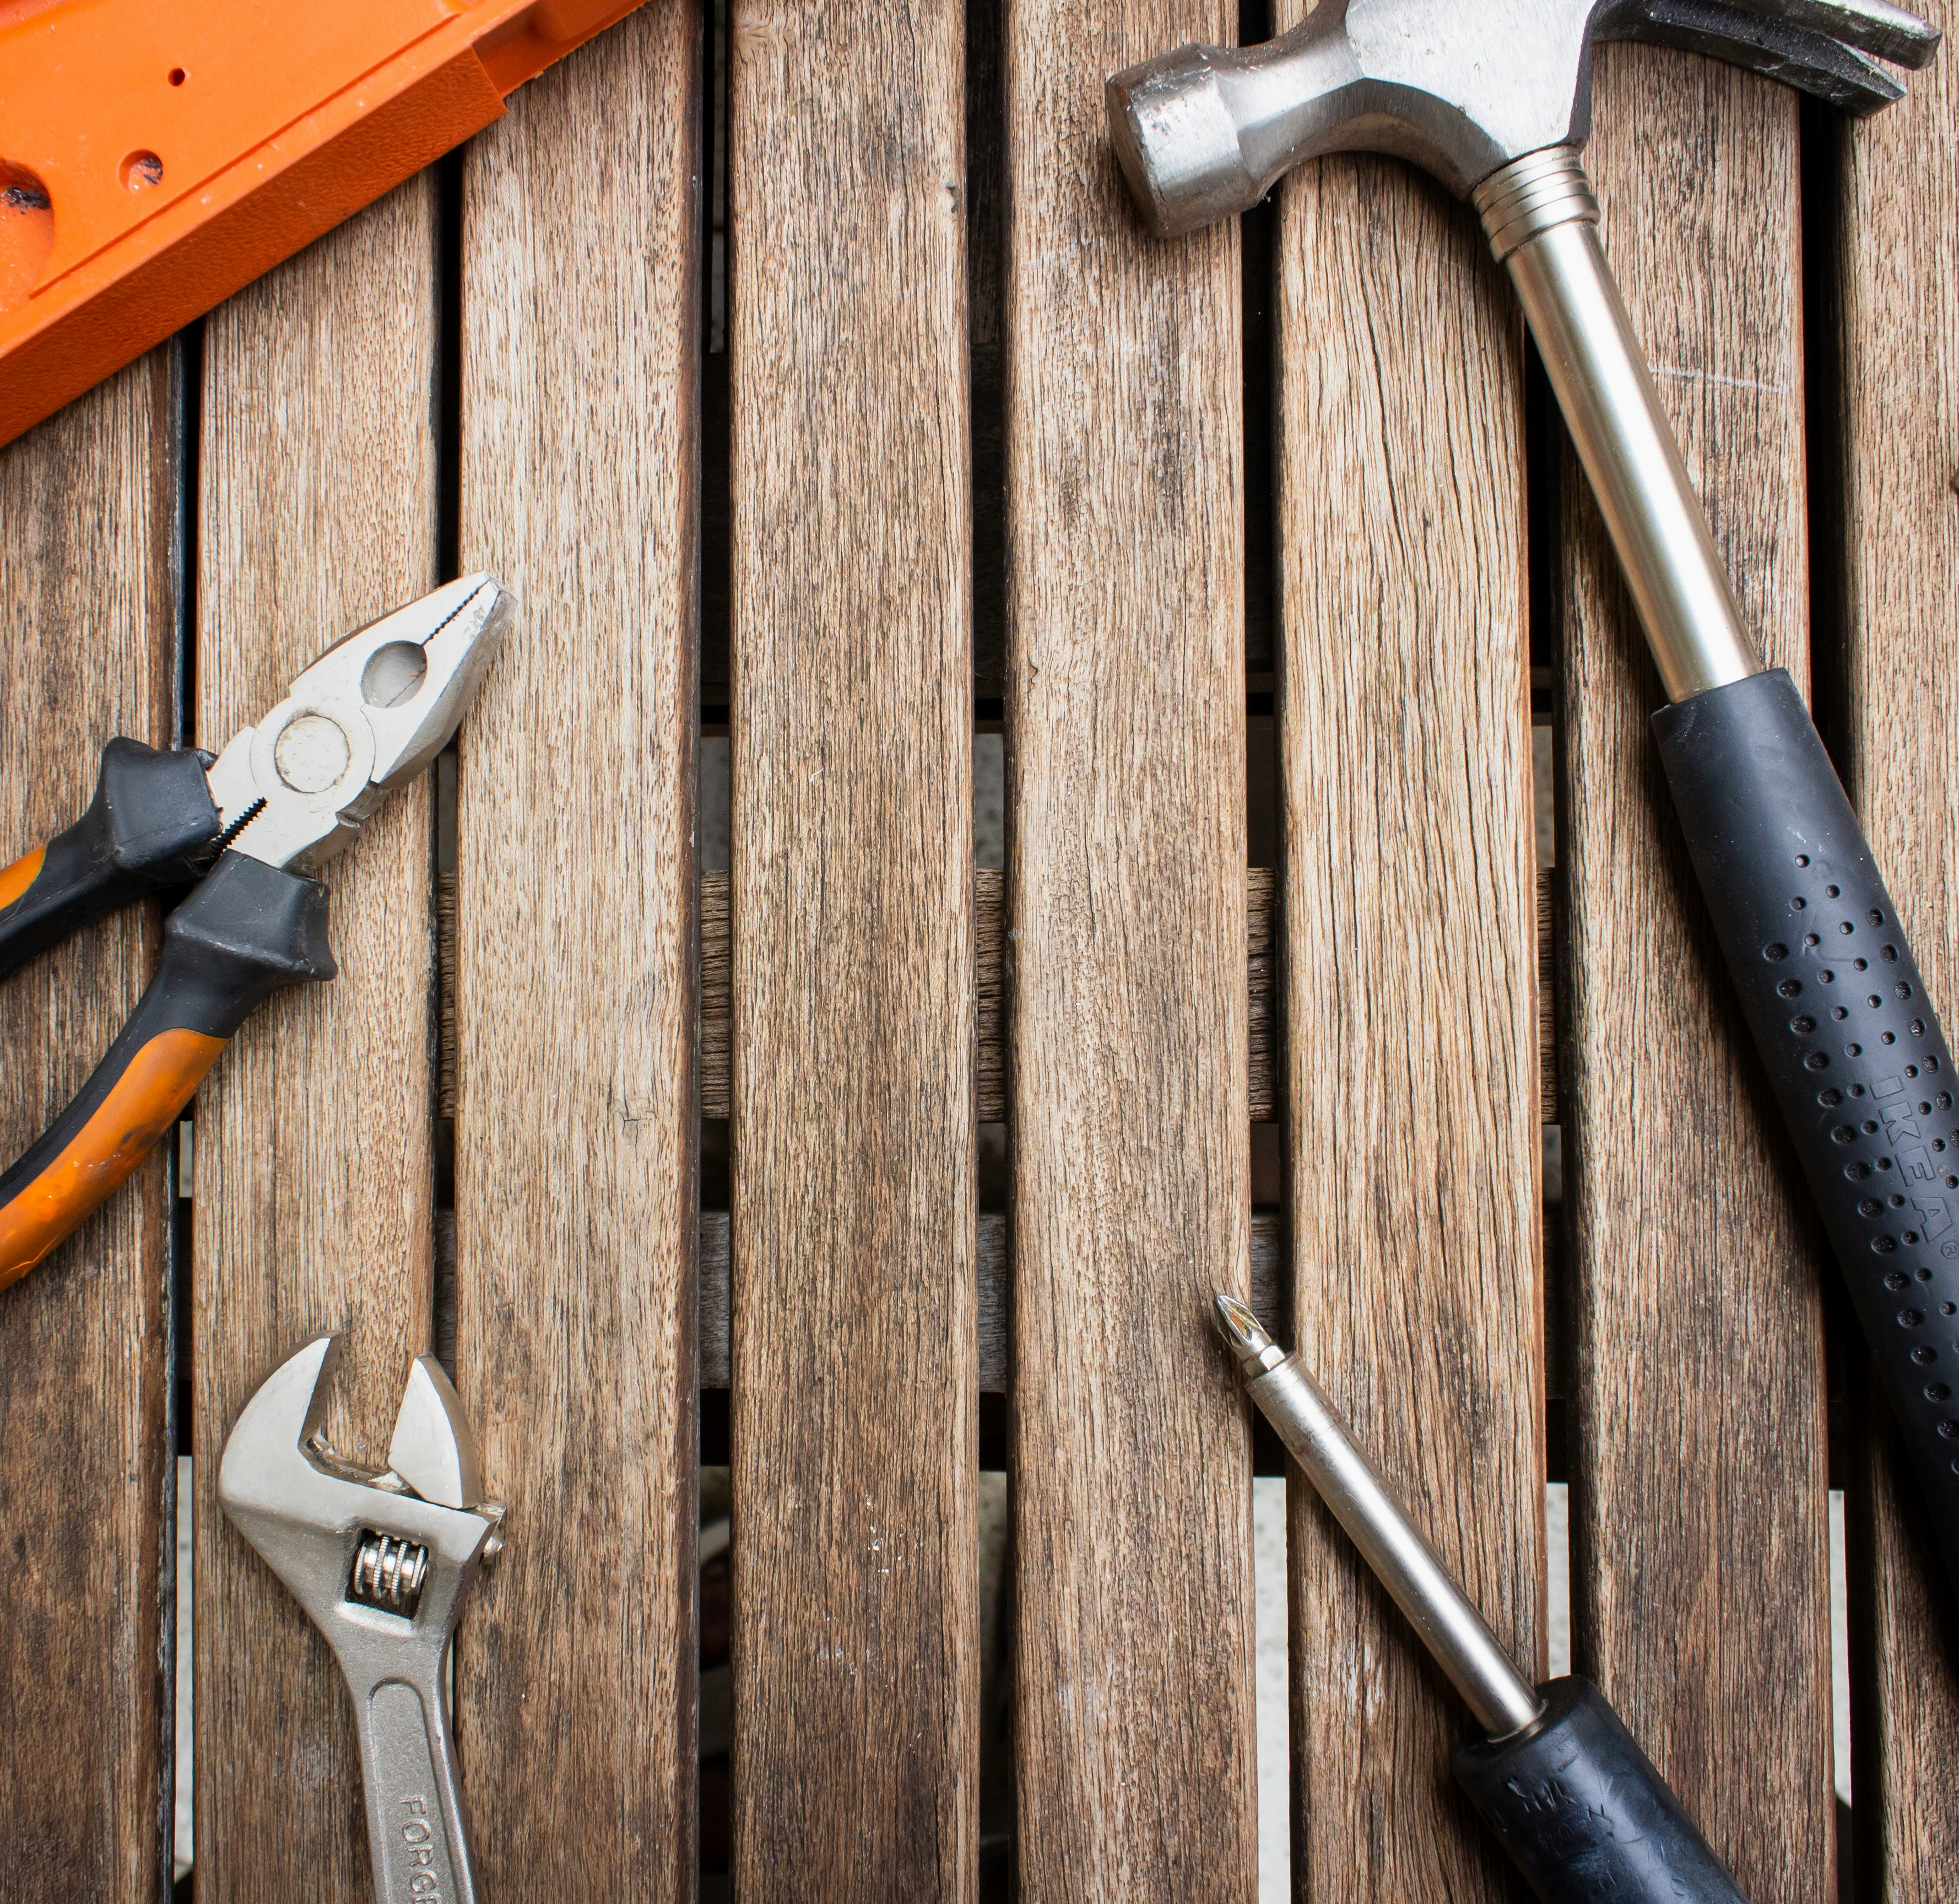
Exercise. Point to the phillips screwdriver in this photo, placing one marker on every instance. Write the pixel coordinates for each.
(1580, 1808)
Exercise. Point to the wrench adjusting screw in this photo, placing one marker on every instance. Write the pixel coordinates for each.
(388, 1573)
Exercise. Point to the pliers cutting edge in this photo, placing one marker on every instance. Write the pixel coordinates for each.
(247, 830)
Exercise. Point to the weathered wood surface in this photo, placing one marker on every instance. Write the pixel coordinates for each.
(315, 1176)
(989, 938)
(1898, 289)
(1128, 1038)
(1410, 909)
(855, 1385)
(1126, 792)
(89, 602)
(1267, 1298)
(1692, 1241)
(577, 1120)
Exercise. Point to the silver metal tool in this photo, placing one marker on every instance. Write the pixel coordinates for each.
(371, 713)
(1580, 1809)
(380, 1562)
(1503, 1700)
(1494, 97)
(238, 839)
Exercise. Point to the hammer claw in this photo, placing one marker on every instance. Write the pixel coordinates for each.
(1873, 26)
(1763, 39)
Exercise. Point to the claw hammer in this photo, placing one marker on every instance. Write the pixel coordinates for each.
(1494, 99)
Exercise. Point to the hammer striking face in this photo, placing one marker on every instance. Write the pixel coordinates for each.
(1461, 90)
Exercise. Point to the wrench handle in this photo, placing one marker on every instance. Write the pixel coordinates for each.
(415, 1829)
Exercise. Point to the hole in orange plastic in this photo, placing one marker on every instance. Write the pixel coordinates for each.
(27, 232)
(176, 75)
(141, 170)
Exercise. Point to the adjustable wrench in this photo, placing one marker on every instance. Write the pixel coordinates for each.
(380, 1562)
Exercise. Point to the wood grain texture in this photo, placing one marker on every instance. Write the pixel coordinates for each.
(314, 1168)
(989, 938)
(89, 599)
(1410, 937)
(1126, 802)
(854, 1405)
(1898, 289)
(1268, 1293)
(577, 1118)
(1692, 1242)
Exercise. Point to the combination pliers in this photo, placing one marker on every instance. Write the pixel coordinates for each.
(246, 830)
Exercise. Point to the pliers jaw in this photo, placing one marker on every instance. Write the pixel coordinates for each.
(368, 715)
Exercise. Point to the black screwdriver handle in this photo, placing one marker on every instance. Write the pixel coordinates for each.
(1849, 1039)
(150, 827)
(248, 930)
(1582, 1812)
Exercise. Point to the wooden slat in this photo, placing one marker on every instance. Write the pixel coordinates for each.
(577, 1120)
(854, 1404)
(1547, 1000)
(1126, 903)
(989, 888)
(88, 597)
(314, 1170)
(1268, 1296)
(1898, 286)
(1410, 927)
(1700, 1478)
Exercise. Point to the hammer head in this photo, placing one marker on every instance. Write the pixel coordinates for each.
(1460, 87)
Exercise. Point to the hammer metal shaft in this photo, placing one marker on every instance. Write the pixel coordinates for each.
(1542, 220)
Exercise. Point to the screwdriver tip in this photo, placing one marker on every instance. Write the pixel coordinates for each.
(1241, 1331)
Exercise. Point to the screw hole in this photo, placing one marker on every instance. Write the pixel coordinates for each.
(176, 75)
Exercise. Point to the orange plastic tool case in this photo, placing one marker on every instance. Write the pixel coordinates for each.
(156, 154)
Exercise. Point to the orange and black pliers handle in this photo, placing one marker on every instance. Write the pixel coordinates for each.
(245, 828)
(247, 930)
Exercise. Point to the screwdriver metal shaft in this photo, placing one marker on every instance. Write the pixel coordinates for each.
(1502, 1699)
(1581, 1809)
